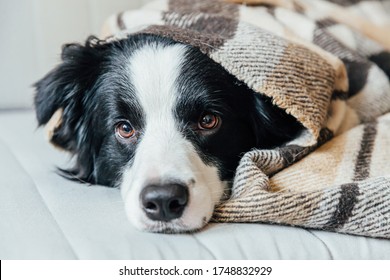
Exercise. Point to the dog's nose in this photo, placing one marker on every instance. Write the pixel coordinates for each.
(164, 202)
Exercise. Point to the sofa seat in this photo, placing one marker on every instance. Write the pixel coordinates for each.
(44, 216)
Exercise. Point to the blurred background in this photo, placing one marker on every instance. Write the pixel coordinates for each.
(32, 33)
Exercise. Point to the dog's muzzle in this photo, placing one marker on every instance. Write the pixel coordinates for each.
(164, 202)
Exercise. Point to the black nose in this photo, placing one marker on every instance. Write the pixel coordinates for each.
(164, 202)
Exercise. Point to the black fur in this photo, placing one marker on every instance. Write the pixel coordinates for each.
(92, 87)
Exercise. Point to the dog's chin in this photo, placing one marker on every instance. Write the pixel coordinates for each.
(175, 226)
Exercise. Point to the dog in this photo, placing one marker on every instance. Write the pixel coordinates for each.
(161, 121)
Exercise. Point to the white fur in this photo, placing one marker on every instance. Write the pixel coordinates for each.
(163, 154)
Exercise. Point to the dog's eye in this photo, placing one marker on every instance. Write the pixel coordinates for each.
(124, 130)
(208, 121)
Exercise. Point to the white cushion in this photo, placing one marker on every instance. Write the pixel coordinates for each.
(44, 216)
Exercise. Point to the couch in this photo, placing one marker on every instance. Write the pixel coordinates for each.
(44, 216)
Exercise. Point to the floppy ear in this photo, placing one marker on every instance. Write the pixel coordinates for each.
(60, 94)
(272, 126)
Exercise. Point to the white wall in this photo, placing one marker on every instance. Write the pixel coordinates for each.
(32, 33)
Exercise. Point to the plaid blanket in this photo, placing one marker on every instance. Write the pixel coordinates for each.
(327, 63)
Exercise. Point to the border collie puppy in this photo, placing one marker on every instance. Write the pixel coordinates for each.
(160, 120)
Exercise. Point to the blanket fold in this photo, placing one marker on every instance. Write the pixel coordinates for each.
(327, 63)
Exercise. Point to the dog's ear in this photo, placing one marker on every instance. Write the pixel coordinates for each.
(272, 125)
(60, 94)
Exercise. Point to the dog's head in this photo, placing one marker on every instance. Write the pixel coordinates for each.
(160, 120)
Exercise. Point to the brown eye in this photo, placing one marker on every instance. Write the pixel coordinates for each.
(124, 130)
(208, 121)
